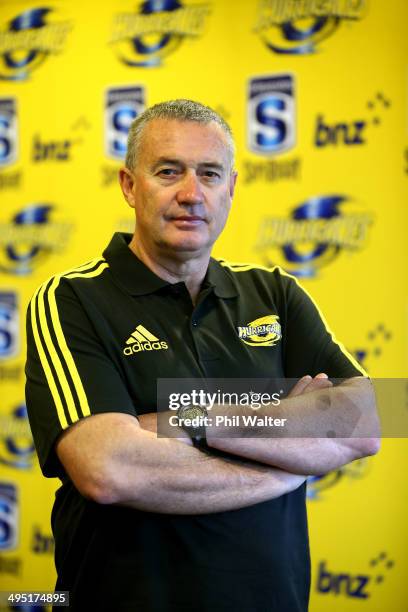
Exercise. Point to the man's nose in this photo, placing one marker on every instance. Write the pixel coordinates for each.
(190, 190)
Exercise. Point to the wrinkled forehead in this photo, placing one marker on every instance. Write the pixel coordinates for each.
(184, 140)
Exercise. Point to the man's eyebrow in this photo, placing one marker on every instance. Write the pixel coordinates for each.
(177, 162)
(216, 165)
(166, 160)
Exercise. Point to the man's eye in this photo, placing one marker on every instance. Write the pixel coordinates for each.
(211, 174)
(167, 171)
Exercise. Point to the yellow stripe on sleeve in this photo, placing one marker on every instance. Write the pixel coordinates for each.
(54, 356)
(46, 366)
(69, 360)
(79, 272)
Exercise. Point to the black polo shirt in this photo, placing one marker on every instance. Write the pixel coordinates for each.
(98, 338)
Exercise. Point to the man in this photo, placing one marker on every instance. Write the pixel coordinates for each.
(155, 524)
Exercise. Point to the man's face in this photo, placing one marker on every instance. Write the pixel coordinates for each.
(182, 186)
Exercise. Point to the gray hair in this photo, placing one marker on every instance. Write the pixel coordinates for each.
(180, 110)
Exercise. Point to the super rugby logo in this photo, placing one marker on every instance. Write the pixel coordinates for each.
(271, 114)
(265, 331)
(297, 27)
(314, 235)
(27, 40)
(8, 131)
(9, 325)
(29, 238)
(144, 38)
(9, 516)
(122, 106)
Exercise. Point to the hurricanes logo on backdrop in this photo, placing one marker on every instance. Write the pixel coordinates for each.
(146, 37)
(122, 106)
(314, 235)
(16, 442)
(318, 485)
(297, 27)
(265, 331)
(143, 340)
(29, 238)
(27, 40)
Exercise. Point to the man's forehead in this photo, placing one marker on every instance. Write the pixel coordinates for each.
(162, 136)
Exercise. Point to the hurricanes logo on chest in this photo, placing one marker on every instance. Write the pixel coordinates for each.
(143, 340)
(265, 331)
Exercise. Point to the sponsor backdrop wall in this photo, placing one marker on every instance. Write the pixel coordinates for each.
(315, 92)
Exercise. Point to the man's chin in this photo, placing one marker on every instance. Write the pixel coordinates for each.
(188, 247)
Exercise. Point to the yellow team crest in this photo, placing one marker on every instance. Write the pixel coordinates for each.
(265, 331)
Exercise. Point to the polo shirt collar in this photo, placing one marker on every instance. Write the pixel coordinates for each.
(138, 279)
(221, 279)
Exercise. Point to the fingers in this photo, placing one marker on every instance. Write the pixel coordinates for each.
(300, 386)
(317, 384)
(306, 384)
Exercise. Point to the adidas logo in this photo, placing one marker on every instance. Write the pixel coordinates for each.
(142, 340)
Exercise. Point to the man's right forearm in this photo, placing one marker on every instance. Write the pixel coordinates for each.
(180, 479)
(112, 460)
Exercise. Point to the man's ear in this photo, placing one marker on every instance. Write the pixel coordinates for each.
(233, 181)
(127, 181)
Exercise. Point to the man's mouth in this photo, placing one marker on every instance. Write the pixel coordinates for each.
(188, 220)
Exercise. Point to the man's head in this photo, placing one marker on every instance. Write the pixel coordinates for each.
(179, 178)
(179, 110)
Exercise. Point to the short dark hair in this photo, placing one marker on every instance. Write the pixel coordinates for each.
(181, 110)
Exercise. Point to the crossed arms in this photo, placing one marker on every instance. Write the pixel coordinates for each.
(113, 458)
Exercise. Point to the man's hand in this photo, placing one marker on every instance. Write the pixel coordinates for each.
(148, 421)
(325, 427)
(306, 384)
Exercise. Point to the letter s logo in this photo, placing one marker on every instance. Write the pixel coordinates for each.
(270, 114)
(121, 120)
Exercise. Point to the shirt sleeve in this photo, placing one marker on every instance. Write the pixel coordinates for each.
(69, 375)
(310, 346)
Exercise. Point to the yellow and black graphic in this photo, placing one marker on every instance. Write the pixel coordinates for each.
(26, 41)
(265, 331)
(144, 38)
(297, 27)
(314, 91)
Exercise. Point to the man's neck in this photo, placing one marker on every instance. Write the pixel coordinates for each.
(175, 269)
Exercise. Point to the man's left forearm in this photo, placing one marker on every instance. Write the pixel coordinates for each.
(324, 430)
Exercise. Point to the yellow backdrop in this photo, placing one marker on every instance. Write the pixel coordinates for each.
(315, 92)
